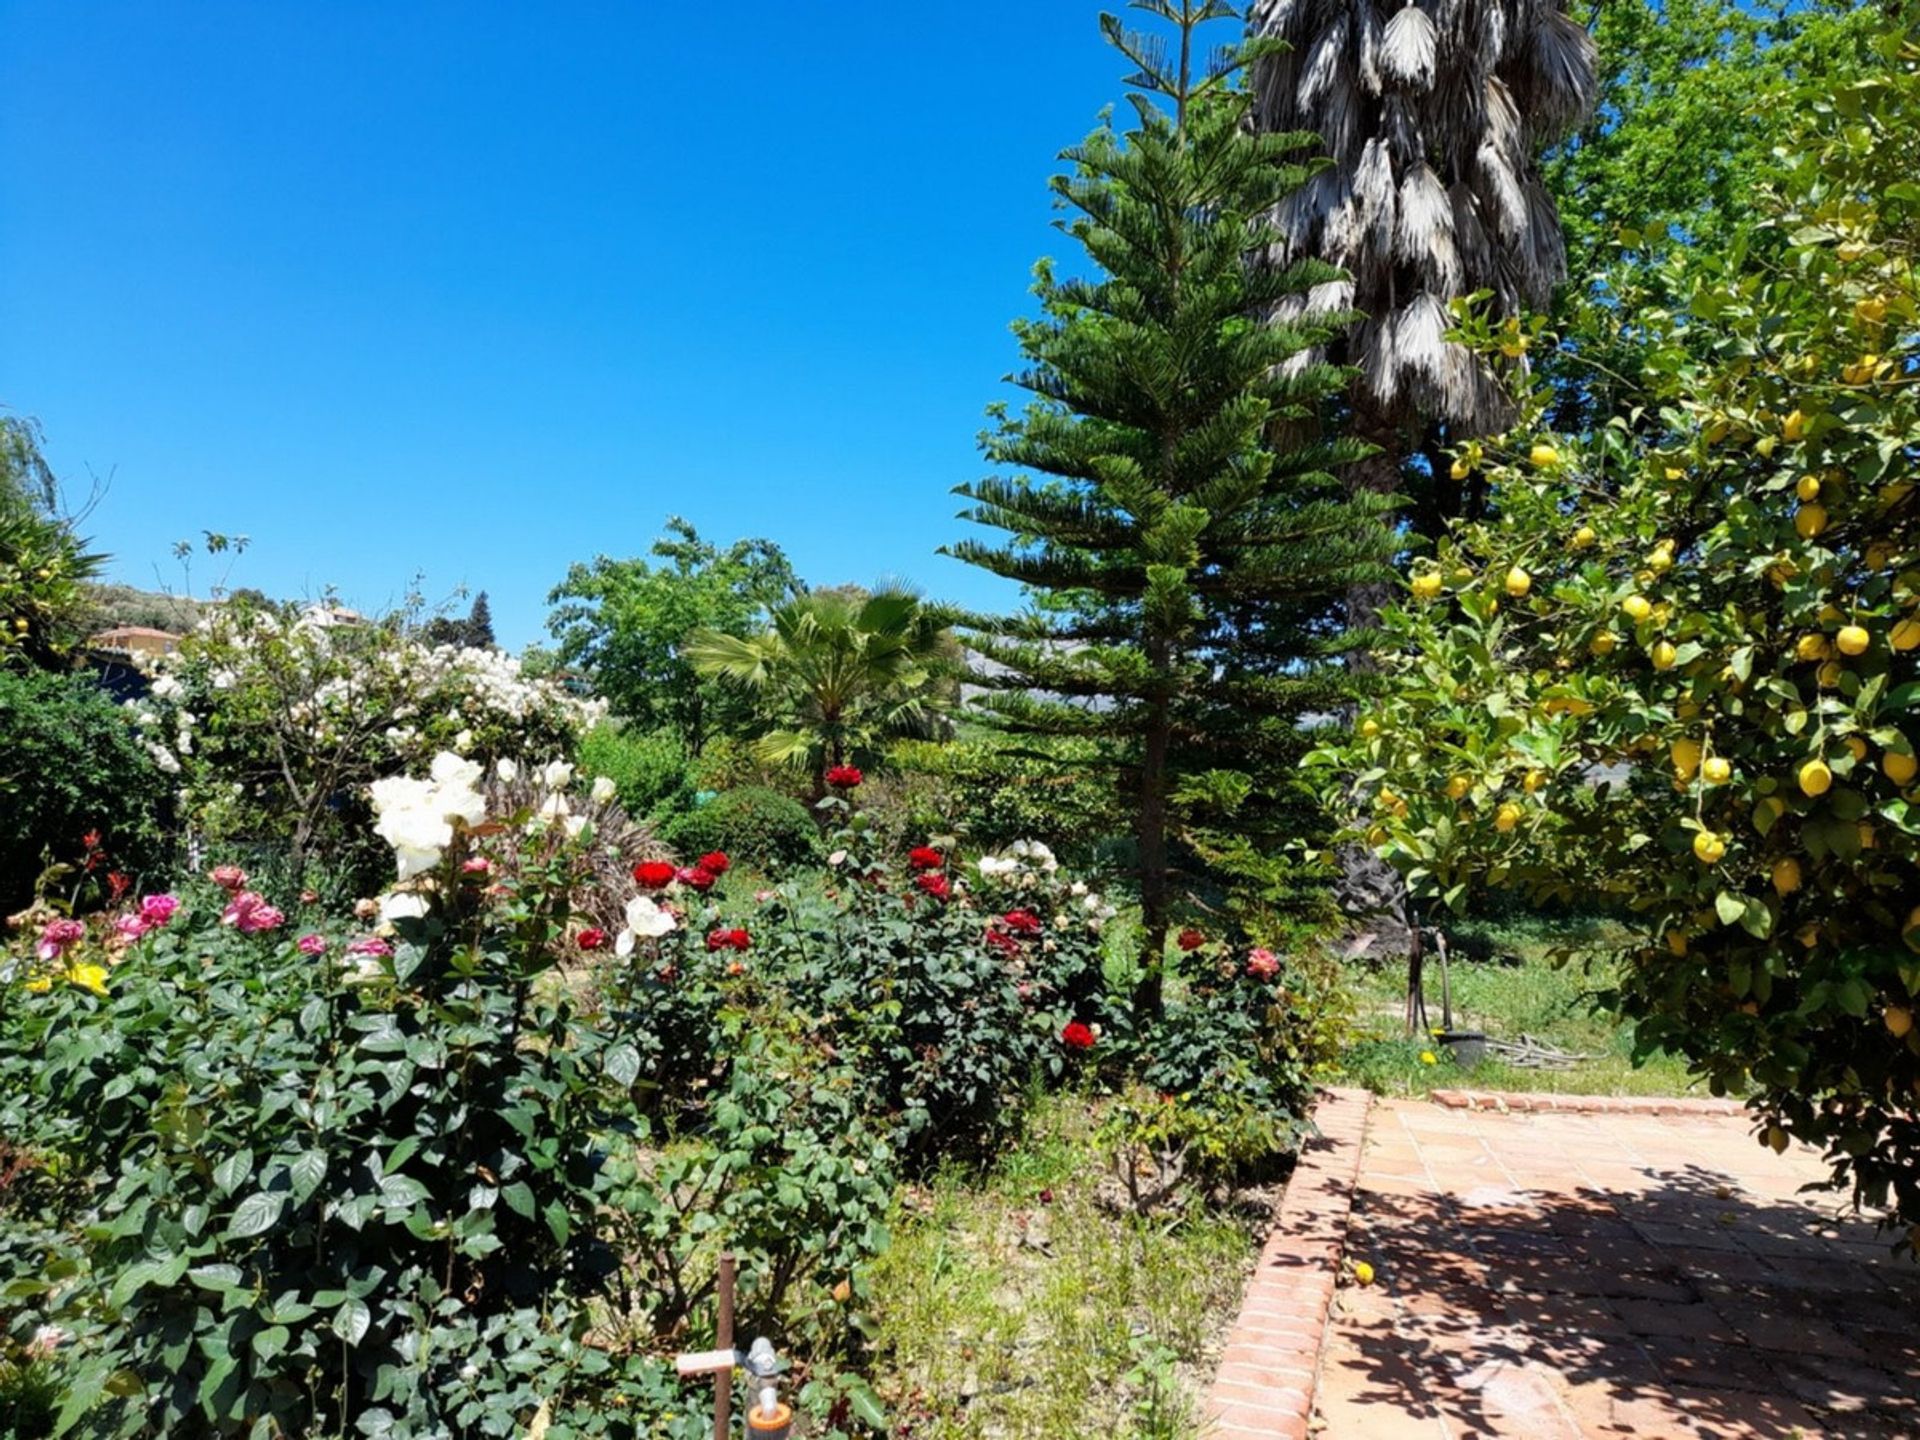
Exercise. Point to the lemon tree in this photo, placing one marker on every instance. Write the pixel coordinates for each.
(1679, 666)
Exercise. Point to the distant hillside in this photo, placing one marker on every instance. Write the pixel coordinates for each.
(124, 605)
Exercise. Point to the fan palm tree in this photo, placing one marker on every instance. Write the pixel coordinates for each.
(1434, 114)
(838, 672)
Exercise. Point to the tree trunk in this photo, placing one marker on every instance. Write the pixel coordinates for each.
(1369, 891)
(1155, 895)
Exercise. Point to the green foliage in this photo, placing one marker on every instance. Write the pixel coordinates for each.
(331, 1195)
(838, 673)
(1191, 548)
(113, 605)
(990, 789)
(1709, 604)
(70, 764)
(758, 825)
(45, 568)
(475, 632)
(627, 623)
(652, 769)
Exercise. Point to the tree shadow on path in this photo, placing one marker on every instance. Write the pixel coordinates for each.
(1681, 1305)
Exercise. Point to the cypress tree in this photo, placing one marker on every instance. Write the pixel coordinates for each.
(1187, 554)
(479, 625)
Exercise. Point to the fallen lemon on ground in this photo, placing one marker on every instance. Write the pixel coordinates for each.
(1363, 1272)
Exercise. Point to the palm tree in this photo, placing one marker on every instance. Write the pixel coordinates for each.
(838, 672)
(1434, 115)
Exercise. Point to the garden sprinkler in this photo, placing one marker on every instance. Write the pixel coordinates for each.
(768, 1419)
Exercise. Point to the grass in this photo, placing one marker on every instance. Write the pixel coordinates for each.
(1507, 983)
(1018, 1306)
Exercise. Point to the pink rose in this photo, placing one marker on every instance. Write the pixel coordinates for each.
(312, 944)
(250, 915)
(131, 927)
(476, 865)
(59, 937)
(230, 878)
(1262, 964)
(157, 910)
(370, 945)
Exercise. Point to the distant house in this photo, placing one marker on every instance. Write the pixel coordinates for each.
(326, 616)
(136, 640)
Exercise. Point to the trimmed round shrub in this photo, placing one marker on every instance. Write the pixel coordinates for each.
(70, 764)
(760, 826)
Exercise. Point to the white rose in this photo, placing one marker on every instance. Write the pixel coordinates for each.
(405, 906)
(603, 790)
(506, 770)
(646, 919)
(557, 774)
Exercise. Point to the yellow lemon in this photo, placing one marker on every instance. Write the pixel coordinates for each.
(1582, 538)
(1604, 642)
(1899, 1021)
(1458, 786)
(1793, 427)
(1686, 757)
(1674, 472)
(1363, 1272)
(1810, 520)
(1661, 560)
(1386, 799)
(1853, 640)
(1879, 555)
(1811, 647)
(1808, 489)
(1533, 782)
(1716, 771)
(1663, 655)
(1426, 585)
(1637, 606)
(1544, 456)
(1872, 309)
(1900, 768)
(1777, 1139)
(1828, 675)
(1786, 875)
(1905, 635)
(1815, 777)
(1709, 848)
(1506, 817)
(1518, 582)
(1459, 470)
(1856, 747)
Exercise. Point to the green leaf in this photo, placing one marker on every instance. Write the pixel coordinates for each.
(623, 1064)
(306, 1172)
(519, 1198)
(255, 1215)
(1729, 907)
(231, 1173)
(271, 1341)
(865, 1404)
(559, 1222)
(352, 1320)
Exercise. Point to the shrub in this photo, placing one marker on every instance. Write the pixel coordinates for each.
(651, 768)
(69, 765)
(993, 790)
(278, 721)
(753, 824)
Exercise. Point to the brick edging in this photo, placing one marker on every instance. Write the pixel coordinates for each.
(1526, 1102)
(1266, 1379)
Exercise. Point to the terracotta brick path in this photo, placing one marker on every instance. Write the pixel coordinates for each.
(1560, 1276)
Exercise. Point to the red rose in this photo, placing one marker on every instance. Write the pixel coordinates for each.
(925, 857)
(715, 863)
(844, 777)
(935, 884)
(653, 874)
(735, 939)
(697, 878)
(1003, 942)
(1076, 1036)
(590, 939)
(1191, 940)
(1021, 922)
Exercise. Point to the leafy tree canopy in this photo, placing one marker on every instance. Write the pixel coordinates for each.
(626, 622)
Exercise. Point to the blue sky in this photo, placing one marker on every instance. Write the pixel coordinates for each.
(475, 290)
